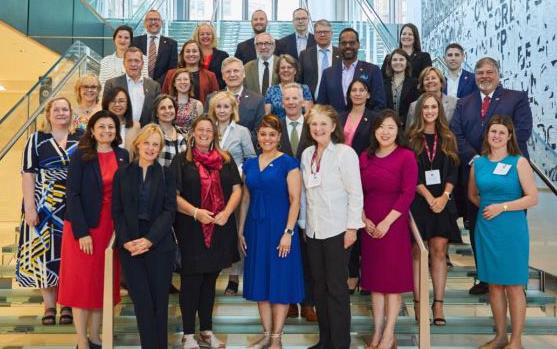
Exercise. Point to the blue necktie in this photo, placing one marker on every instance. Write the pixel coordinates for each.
(324, 59)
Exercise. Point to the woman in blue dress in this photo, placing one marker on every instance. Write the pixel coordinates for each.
(270, 205)
(286, 69)
(502, 185)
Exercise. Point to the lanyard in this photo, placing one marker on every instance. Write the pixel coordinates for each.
(314, 161)
(431, 154)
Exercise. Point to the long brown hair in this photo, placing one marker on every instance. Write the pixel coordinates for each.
(214, 145)
(512, 144)
(88, 144)
(416, 137)
(182, 62)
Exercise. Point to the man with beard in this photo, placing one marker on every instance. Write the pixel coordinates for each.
(245, 51)
(470, 120)
(261, 72)
(337, 78)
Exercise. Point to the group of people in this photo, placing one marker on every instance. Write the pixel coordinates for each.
(294, 159)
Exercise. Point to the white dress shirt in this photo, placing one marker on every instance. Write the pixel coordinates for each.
(137, 96)
(301, 42)
(452, 83)
(157, 41)
(337, 203)
(261, 69)
(320, 63)
(347, 77)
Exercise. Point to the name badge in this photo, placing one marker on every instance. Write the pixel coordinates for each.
(432, 177)
(502, 169)
(314, 180)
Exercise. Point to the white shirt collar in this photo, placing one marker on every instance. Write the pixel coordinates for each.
(303, 35)
(239, 93)
(139, 81)
(300, 120)
(453, 75)
(329, 48)
(490, 95)
(352, 66)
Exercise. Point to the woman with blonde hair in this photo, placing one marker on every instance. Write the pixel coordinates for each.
(46, 161)
(143, 207)
(206, 36)
(87, 94)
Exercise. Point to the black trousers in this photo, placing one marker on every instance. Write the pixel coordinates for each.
(354, 260)
(308, 281)
(328, 262)
(148, 276)
(197, 296)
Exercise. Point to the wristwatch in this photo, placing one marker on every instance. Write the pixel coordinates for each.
(289, 231)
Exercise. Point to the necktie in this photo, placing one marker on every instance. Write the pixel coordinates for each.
(151, 59)
(294, 137)
(265, 83)
(324, 59)
(485, 107)
(237, 98)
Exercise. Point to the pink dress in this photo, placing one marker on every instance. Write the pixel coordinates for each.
(388, 183)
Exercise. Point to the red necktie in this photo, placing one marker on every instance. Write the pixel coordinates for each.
(152, 57)
(485, 107)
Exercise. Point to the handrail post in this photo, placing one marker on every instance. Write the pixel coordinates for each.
(108, 298)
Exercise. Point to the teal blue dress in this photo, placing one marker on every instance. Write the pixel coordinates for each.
(502, 243)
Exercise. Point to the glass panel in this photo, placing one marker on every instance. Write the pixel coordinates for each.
(232, 9)
(285, 9)
(264, 5)
(201, 10)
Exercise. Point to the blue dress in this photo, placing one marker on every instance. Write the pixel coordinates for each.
(267, 277)
(502, 243)
(274, 98)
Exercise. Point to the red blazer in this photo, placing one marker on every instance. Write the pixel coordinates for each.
(207, 83)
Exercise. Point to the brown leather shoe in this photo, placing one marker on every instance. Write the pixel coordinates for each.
(293, 310)
(309, 313)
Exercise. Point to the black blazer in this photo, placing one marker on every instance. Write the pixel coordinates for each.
(167, 55)
(309, 69)
(418, 60)
(215, 65)
(362, 136)
(245, 51)
(288, 45)
(285, 146)
(408, 95)
(162, 206)
(85, 191)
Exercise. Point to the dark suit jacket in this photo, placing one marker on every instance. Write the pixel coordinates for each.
(330, 89)
(466, 84)
(285, 146)
(85, 191)
(288, 45)
(309, 69)
(361, 139)
(215, 65)
(151, 89)
(469, 128)
(251, 109)
(162, 206)
(245, 51)
(418, 60)
(408, 95)
(207, 83)
(167, 55)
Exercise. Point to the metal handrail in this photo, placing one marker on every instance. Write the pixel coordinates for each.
(380, 27)
(108, 296)
(423, 287)
(544, 177)
(40, 109)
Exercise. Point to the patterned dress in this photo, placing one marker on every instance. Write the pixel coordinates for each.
(274, 98)
(38, 255)
(186, 115)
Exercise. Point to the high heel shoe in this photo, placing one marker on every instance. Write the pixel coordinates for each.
(276, 340)
(209, 340)
(356, 287)
(262, 342)
(438, 321)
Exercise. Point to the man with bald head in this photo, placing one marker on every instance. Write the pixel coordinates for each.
(245, 51)
(260, 72)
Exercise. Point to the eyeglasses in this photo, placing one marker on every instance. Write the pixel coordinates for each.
(300, 19)
(152, 20)
(323, 32)
(261, 44)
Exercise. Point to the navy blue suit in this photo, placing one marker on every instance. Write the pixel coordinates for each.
(85, 191)
(167, 55)
(288, 44)
(330, 89)
(466, 84)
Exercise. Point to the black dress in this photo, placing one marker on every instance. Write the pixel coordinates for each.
(196, 258)
(432, 224)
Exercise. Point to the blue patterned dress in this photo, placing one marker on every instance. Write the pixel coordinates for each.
(502, 243)
(274, 98)
(38, 255)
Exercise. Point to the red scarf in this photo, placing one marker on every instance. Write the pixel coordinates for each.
(212, 198)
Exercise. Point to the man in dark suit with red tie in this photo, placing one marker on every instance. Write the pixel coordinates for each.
(161, 52)
(470, 120)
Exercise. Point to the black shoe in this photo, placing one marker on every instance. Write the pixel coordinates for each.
(94, 346)
(316, 346)
(173, 290)
(364, 292)
(479, 289)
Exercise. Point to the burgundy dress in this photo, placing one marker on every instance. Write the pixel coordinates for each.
(81, 275)
(388, 183)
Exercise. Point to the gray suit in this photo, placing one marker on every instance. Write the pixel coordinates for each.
(309, 69)
(151, 88)
(252, 75)
(238, 143)
(449, 106)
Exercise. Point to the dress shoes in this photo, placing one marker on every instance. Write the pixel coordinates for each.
(316, 346)
(479, 289)
(308, 312)
(293, 311)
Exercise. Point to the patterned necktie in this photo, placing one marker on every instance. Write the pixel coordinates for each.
(324, 59)
(294, 137)
(265, 83)
(151, 59)
(485, 107)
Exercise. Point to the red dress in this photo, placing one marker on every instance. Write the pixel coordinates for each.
(81, 275)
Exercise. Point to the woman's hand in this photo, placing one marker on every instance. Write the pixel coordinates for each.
(349, 238)
(370, 227)
(221, 218)
(31, 217)
(438, 204)
(381, 229)
(242, 246)
(142, 245)
(86, 244)
(205, 216)
(284, 245)
(492, 211)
